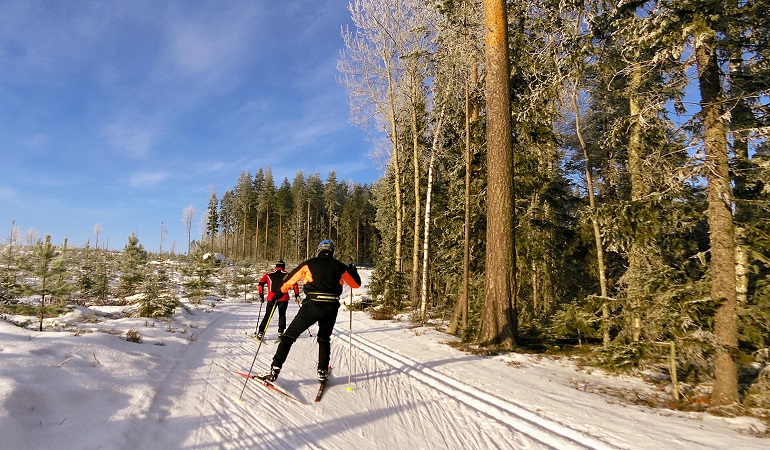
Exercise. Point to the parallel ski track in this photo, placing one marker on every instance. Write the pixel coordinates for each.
(541, 429)
(271, 402)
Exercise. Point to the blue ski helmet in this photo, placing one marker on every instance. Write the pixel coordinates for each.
(325, 245)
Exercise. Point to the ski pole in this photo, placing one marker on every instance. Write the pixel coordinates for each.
(259, 316)
(350, 339)
(248, 377)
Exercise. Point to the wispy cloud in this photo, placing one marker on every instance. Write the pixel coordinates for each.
(208, 49)
(37, 140)
(147, 179)
(132, 139)
(7, 194)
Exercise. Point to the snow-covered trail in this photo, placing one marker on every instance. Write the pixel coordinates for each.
(392, 387)
(390, 395)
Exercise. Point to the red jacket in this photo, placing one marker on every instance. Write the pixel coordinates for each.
(273, 280)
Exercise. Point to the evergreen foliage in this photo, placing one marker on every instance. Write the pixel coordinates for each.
(610, 187)
(244, 280)
(199, 274)
(132, 267)
(157, 298)
(43, 269)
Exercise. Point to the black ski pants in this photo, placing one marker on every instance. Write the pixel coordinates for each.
(312, 311)
(281, 306)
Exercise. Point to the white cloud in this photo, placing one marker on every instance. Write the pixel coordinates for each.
(37, 140)
(208, 48)
(133, 140)
(147, 179)
(7, 194)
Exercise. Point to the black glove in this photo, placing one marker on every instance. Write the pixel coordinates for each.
(261, 298)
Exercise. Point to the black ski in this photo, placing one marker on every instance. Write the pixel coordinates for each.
(322, 387)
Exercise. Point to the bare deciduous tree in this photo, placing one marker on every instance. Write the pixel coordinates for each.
(369, 68)
(188, 214)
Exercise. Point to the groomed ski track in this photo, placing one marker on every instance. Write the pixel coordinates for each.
(389, 380)
(390, 394)
(543, 432)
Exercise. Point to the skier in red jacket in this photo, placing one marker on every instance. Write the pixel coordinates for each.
(275, 298)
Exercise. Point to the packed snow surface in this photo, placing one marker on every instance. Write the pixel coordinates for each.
(393, 386)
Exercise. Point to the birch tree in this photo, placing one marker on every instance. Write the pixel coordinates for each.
(369, 68)
(188, 214)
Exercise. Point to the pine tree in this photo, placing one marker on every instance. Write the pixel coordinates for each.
(244, 209)
(10, 287)
(283, 209)
(157, 296)
(245, 280)
(132, 267)
(86, 280)
(44, 268)
(212, 222)
(228, 221)
(198, 274)
(499, 323)
(299, 200)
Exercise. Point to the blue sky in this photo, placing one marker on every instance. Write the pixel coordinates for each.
(124, 112)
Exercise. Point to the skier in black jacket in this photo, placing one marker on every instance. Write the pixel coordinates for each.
(323, 278)
(275, 298)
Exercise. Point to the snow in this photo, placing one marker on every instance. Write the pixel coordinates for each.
(393, 386)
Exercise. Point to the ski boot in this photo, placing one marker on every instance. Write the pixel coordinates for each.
(270, 376)
(260, 335)
(323, 375)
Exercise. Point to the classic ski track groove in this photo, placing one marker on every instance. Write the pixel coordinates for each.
(520, 418)
(260, 394)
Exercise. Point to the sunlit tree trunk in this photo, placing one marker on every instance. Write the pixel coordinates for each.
(720, 220)
(499, 317)
(635, 292)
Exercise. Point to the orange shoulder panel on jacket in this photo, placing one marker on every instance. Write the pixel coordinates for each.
(303, 273)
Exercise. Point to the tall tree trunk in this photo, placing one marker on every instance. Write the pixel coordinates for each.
(720, 220)
(460, 316)
(413, 291)
(499, 317)
(243, 245)
(396, 172)
(256, 238)
(426, 224)
(635, 258)
(741, 119)
(358, 240)
(605, 326)
(307, 239)
(267, 231)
